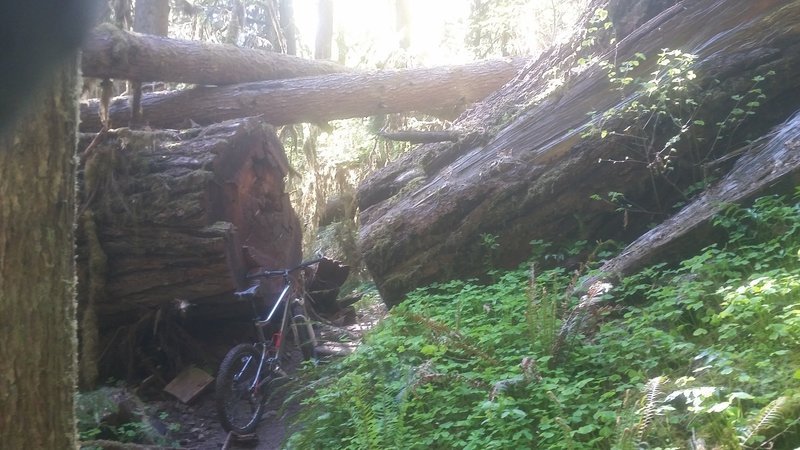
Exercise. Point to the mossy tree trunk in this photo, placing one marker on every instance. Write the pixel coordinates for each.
(37, 272)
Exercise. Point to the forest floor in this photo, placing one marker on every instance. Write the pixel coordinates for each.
(199, 427)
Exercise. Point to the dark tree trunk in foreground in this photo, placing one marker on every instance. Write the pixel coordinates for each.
(316, 99)
(37, 272)
(174, 217)
(113, 53)
(423, 216)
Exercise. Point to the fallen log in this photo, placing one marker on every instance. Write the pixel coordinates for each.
(315, 99)
(109, 52)
(175, 219)
(323, 286)
(770, 161)
(423, 217)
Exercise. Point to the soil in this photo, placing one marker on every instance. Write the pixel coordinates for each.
(199, 427)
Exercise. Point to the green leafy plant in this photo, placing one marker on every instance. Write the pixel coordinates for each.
(661, 122)
(702, 351)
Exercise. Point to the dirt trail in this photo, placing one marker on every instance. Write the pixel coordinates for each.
(200, 429)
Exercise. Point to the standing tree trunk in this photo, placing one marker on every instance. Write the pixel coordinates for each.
(37, 273)
(322, 47)
(152, 17)
(287, 26)
(402, 23)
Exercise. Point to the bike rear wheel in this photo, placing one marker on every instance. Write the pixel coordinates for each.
(239, 402)
(303, 332)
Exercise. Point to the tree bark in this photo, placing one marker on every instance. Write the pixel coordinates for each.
(37, 272)
(422, 217)
(112, 53)
(177, 219)
(317, 99)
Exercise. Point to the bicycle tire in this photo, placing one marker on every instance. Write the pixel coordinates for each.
(238, 407)
(303, 332)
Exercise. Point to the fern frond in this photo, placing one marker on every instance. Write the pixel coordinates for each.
(651, 399)
(768, 417)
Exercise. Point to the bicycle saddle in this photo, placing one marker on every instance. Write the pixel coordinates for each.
(251, 291)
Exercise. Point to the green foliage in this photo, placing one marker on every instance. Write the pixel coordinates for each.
(661, 121)
(518, 27)
(706, 350)
(100, 416)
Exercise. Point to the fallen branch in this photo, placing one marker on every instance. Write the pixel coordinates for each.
(112, 53)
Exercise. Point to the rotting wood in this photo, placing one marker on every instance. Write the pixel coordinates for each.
(181, 216)
(316, 99)
(113, 53)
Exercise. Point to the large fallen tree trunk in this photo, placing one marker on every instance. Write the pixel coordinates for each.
(177, 219)
(170, 223)
(428, 216)
(316, 99)
(112, 53)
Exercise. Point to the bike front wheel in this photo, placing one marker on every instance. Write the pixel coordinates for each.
(238, 398)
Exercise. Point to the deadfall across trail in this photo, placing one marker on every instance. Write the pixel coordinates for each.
(536, 152)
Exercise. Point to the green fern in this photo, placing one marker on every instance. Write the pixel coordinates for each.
(626, 425)
(650, 404)
(367, 434)
(767, 418)
(542, 314)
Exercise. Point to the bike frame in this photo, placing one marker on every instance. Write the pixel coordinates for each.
(277, 338)
(271, 362)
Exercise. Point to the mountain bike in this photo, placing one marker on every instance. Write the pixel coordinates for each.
(247, 371)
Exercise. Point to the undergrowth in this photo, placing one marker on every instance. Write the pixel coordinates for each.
(704, 354)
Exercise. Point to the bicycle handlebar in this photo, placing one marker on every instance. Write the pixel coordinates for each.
(275, 273)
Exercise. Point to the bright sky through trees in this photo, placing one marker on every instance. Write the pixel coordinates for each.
(439, 28)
